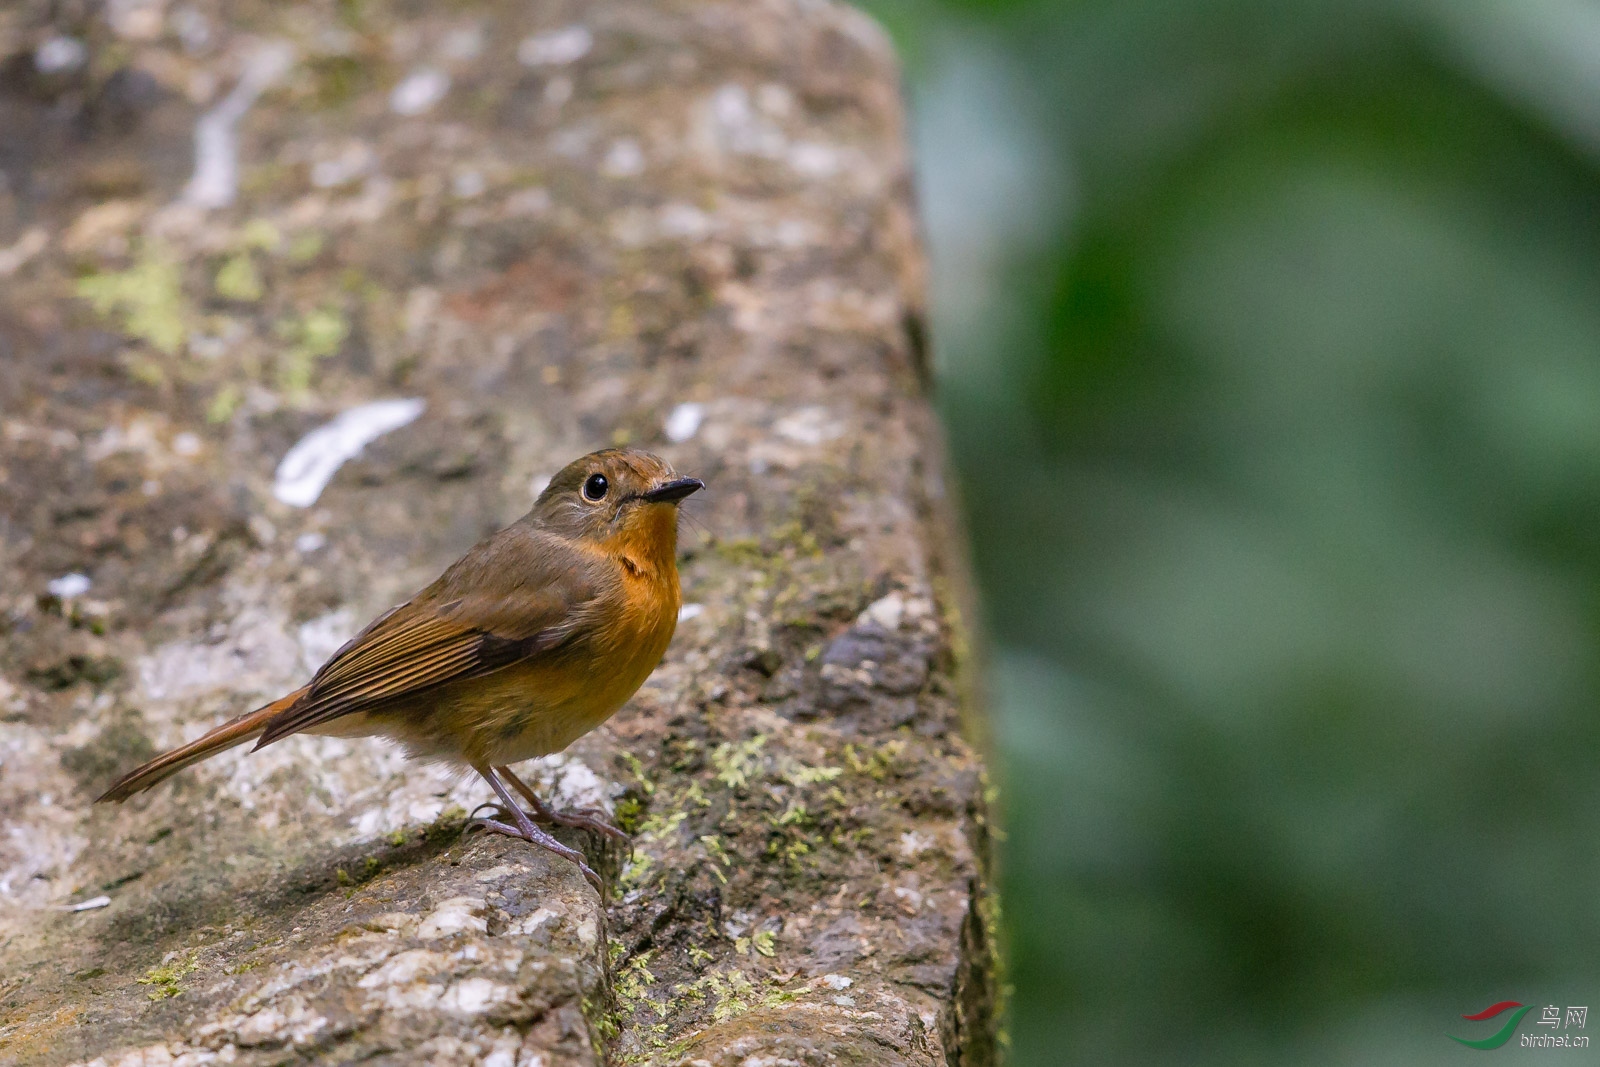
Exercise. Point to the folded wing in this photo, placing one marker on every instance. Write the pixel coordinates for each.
(518, 595)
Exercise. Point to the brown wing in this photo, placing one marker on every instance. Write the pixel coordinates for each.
(516, 595)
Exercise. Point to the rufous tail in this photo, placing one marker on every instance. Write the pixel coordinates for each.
(246, 727)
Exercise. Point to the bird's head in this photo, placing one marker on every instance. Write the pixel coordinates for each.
(617, 498)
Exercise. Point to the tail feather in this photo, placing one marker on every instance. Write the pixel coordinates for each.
(237, 731)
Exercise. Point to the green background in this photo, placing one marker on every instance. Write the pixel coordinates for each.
(1268, 339)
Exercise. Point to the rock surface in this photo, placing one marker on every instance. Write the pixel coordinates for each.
(560, 225)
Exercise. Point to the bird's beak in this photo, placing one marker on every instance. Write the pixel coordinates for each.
(673, 491)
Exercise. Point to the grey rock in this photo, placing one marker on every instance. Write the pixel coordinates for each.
(706, 203)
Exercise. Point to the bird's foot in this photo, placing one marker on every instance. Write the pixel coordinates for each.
(584, 819)
(533, 835)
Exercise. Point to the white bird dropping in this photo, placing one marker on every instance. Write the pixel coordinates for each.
(308, 467)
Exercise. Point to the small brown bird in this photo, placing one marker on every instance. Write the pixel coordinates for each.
(532, 639)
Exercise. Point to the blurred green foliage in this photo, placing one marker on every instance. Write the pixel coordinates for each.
(1269, 344)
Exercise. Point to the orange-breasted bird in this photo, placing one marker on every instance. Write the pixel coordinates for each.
(532, 639)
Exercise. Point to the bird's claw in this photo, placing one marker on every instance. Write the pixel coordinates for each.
(472, 816)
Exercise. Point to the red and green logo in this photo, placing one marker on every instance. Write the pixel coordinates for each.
(1504, 1033)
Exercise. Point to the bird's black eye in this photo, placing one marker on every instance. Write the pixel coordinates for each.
(595, 488)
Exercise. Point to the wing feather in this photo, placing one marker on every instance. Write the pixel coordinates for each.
(399, 634)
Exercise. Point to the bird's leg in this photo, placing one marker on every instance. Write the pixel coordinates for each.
(527, 831)
(584, 819)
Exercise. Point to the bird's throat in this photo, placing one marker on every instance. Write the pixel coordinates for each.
(646, 544)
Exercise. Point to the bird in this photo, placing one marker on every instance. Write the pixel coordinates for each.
(536, 636)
